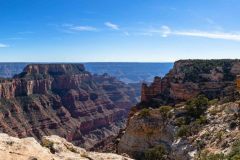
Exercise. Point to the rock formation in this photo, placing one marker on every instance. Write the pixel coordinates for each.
(150, 91)
(215, 135)
(144, 132)
(189, 78)
(64, 100)
(50, 148)
(191, 113)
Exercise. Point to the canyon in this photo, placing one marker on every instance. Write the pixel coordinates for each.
(127, 72)
(191, 113)
(64, 100)
(189, 78)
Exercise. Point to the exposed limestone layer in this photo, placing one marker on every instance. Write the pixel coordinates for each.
(65, 100)
(145, 132)
(189, 78)
(52, 147)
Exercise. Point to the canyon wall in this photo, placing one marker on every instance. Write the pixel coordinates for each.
(189, 78)
(65, 100)
(182, 114)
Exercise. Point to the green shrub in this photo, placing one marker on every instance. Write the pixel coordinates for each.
(156, 153)
(213, 102)
(201, 120)
(183, 131)
(144, 113)
(165, 110)
(180, 121)
(197, 106)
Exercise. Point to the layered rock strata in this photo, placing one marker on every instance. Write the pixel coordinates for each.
(65, 100)
(189, 78)
(191, 113)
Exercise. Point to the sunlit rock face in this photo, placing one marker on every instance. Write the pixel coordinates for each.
(51, 147)
(189, 78)
(166, 111)
(65, 100)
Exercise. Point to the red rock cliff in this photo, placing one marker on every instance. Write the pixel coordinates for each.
(189, 78)
(65, 100)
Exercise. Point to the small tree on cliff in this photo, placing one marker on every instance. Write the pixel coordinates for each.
(197, 106)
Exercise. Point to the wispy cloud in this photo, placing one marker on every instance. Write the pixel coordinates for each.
(111, 25)
(3, 45)
(83, 28)
(71, 28)
(165, 31)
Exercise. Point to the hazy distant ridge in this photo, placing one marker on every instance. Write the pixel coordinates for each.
(126, 72)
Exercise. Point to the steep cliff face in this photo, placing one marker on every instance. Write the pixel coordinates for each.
(191, 113)
(65, 100)
(145, 131)
(189, 78)
(150, 91)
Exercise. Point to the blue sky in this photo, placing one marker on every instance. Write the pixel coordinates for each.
(118, 30)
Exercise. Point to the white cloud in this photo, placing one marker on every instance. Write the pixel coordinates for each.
(165, 31)
(111, 25)
(83, 28)
(3, 45)
(211, 35)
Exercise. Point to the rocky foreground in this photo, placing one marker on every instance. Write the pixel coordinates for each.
(50, 148)
(213, 134)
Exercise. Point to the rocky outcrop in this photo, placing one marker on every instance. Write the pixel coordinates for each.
(189, 78)
(52, 147)
(65, 100)
(191, 113)
(143, 132)
(213, 134)
(150, 91)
